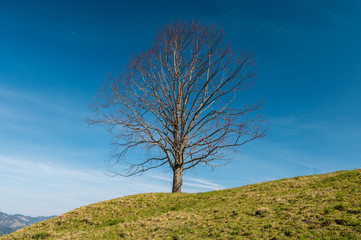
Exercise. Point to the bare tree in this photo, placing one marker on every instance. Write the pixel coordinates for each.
(180, 101)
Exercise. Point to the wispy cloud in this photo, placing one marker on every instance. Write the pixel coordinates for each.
(202, 183)
(47, 162)
(46, 188)
(323, 122)
(194, 184)
(332, 15)
(18, 103)
(310, 144)
(299, 159)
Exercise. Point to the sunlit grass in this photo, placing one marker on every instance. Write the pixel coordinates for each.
(312, 207)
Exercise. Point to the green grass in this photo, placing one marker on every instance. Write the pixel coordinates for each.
(324, 206)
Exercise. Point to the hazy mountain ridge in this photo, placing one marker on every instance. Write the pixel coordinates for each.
(10, 223)
(326, 206)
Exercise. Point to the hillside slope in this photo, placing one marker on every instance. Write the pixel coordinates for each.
(312, 207)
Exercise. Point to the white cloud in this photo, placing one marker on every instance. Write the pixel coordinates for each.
(45, 188)
(47, 160)
(202, 183)
(194, 184)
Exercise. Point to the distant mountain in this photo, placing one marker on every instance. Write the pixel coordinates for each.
(11, 223)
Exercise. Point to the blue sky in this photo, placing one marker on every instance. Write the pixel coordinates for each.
(54, 57)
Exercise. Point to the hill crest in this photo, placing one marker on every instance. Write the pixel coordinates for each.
(326, 206)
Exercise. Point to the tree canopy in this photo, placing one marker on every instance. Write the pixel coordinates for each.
(180, 100)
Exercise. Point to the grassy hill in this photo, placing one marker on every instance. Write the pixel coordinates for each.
(324, 206)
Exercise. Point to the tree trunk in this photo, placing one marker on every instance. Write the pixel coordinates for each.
(177, 179)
